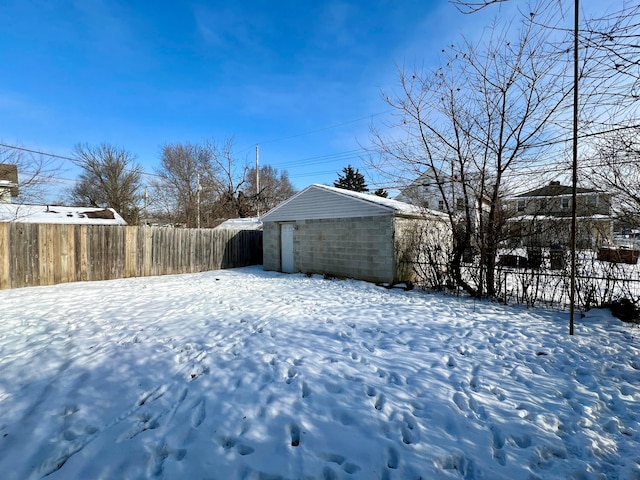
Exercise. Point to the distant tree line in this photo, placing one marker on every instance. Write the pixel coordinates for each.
(196, 184)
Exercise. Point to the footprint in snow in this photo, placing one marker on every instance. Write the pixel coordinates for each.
(379, 403)
(227, 442)
(348, 467)
(144, 421)
(410, 430)
(306, 390)
(392, 458)
(199, 413)
(152, 395)
(294, 430)
(396, 378)
(498, 393)
(245, 449)
(461, 401)
(291, 374)
(369, 347)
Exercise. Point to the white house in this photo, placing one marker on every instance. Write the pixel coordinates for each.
(8, 182)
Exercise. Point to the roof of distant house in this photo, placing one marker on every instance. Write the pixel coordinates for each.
(554, 189)
(251, 223)
(13, 212)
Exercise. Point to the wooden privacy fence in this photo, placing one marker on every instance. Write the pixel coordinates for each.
(46, 254)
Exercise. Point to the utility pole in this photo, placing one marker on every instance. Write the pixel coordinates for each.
(257, 180)
(198, 188)
(574, 185)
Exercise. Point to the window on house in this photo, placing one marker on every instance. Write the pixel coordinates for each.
(440, 204)
(460, 204)
(564, 203)
(521, 205)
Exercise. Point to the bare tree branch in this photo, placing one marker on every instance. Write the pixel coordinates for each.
(109, 178)
(37, 173)
(468, 7)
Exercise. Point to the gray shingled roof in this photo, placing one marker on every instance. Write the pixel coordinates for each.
(553, 190)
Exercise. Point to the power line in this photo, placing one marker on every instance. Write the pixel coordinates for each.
(46, 154)
(355, 154)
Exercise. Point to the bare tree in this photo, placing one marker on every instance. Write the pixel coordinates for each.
(485, 113)
(199, 185)
(231, 201)
(610, 86)
(184, 169)
(609, 44)
(615, 167)
(275, 188)
(109, 178)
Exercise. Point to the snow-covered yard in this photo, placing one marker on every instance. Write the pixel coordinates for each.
(243, 374)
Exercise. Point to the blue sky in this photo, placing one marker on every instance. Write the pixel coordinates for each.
(301, 79)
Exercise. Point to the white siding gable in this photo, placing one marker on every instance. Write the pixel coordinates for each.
(322, 202)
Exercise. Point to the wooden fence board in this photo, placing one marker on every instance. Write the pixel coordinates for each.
(131, 254)
(43, 254)
(5, 279)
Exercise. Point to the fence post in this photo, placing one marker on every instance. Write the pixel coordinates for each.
(504, 282)
(5, 273)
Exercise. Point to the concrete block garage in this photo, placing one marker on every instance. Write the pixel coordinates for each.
(331, 231)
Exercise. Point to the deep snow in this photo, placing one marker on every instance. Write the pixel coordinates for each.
(253, 375)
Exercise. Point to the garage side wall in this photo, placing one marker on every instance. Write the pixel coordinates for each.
(360, 248)
(421, 244)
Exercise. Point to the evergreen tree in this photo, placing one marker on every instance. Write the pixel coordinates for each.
(381, 192)
(351, 180)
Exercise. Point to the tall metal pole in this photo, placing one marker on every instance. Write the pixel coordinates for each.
(257, 180)
(574, 185)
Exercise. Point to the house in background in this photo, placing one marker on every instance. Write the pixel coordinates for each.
(542, 217)
(444, 193)
(240, 224)
(425, 191)
(337, 232)
(8, 182)
(11, 212)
